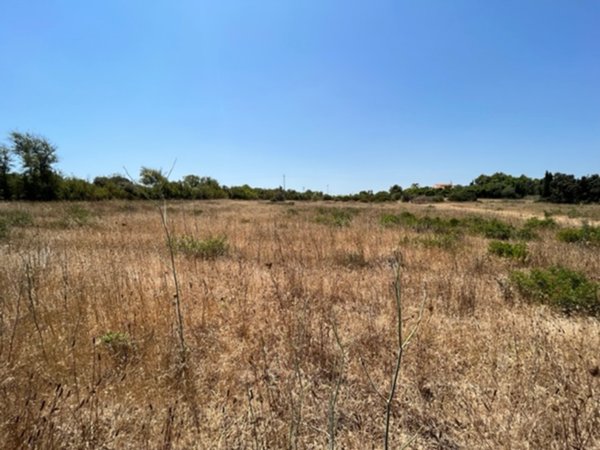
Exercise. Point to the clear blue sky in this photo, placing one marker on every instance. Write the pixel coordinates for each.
(351, 94)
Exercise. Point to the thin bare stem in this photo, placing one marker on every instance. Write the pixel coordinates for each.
(333, 400)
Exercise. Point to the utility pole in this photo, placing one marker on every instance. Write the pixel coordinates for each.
(284, 181)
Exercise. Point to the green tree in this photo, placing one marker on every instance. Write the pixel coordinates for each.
(396, 192)
(546, 184)
(40, 181)
(5, 165)
(155, 182)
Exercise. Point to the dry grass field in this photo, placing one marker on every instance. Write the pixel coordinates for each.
(287, 332)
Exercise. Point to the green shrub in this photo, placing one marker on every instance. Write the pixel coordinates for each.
(491, 228)
(559, 287)
(74, 216)
(336, 217)
(16, 218)
(13, 218)
(438, 225)
(209, 248)
(585, 235)
(388, 220)
(446, 241)
(4, 229)
(540, 224)
(462, 194)
(507, 250)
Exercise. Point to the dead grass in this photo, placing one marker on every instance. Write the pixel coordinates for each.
(484, 370)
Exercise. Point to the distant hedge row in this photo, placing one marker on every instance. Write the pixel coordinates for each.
(39, 180)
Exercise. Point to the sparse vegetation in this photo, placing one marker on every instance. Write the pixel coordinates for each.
(503, 249)
(569, 290)
(119, 345)
(337, 217)
(209, 248)
(586, 234)
(291, 340)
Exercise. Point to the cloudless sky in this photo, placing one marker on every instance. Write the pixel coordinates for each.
(347, 94)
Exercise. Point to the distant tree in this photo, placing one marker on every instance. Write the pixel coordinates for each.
(589, 188)
(40, 181)
(156, 183)
(191, 181)
(564, 188)
(396, 192)
(462, 194)
(116, 186)
(244, 192)
(5, 165)
(381, 196)
(152, 177)
(72, 188)
(546, 183)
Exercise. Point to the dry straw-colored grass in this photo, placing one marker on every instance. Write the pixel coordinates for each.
(484, 370)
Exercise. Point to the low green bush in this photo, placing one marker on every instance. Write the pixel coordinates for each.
(13, 218)
(488, 228)
(566, 289)
(209, 248)
(4, 228)
(586, 234)
(446, 241)
(388, 220)
(336, 217)
(503, 249)
(16, 218)
(492, 228)
(540, 224)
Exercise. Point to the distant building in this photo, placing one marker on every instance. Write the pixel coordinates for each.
(442, 186)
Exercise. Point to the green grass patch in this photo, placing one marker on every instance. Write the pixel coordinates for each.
(4, 229)
(517, 251)
(586, 234)
(119, 345)
(447, 241)
(490, 228)
(548, 223)
(403, 219)
(74, 216)
(209, 248)
(13, 219)
(565, 289)
(336, 217)
(16, 218)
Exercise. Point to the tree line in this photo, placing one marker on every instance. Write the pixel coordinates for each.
(38, 180)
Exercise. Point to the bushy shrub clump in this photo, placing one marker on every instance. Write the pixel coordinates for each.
(403, 219)
(540, 224)
(16, 218)
(13, 218)
(3, 229)
(209, 248)
(446, 241)
(492, 228)
(336, 217)
(489, 228)
(503, 249)
(586, 234)
(566, 289)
